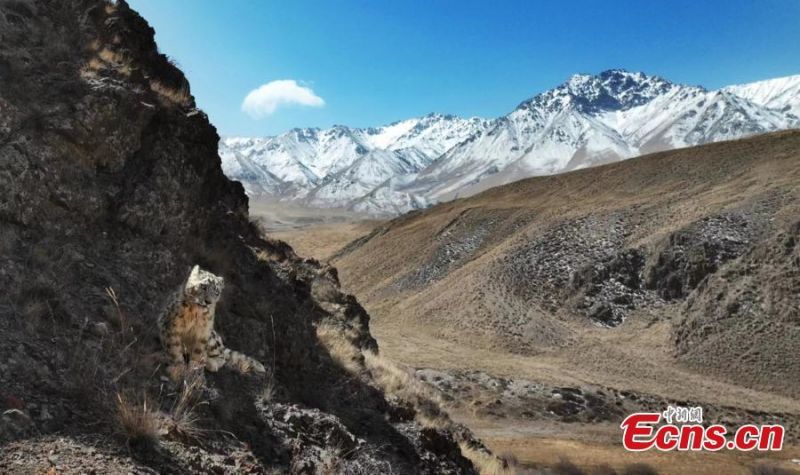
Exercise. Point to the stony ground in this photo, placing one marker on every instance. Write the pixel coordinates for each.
(509, 399)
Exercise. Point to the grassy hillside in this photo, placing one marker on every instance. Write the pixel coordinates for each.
(670, 273)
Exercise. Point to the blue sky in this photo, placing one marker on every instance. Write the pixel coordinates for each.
(374, 62)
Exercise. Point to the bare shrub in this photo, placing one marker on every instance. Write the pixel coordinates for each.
(184, 417)
(267, 392)
(137, 421)
(102, 361)
(174, 62)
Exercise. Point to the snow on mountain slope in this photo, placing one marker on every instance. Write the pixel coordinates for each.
(266, 155)
(586, 121)
(323, 166)
(782, 94)
(590, 120)
(387, 199)
(435, 134)
(364, 175)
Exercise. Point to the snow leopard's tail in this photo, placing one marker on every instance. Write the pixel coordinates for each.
(218, 356)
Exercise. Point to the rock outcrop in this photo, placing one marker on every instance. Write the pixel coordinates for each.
(743, 322)
(110, 190)
(687, 256)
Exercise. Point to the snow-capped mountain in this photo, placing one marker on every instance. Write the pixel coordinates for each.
(586, 121)
(333, 167)
(781, 94)
(591, 120)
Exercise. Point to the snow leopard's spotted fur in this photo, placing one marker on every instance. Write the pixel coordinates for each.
(187, 328)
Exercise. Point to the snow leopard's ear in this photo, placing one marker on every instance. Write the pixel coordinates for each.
(193, 277)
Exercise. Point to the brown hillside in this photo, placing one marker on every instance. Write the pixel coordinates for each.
(110, 191)
(674, 273)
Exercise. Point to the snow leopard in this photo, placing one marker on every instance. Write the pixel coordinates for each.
(187, 328)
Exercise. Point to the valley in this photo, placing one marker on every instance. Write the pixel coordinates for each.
(437, 295)
(544, 310)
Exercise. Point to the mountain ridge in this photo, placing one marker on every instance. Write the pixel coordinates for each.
(110, 177)
(533, 267)
(585, 121)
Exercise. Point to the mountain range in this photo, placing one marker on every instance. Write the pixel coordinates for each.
(586, 121)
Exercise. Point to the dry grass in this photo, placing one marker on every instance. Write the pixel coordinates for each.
(184, 418)
(321, 241)
(565, 467)
(106, 59)
(91, 68)
(113, 371)
(488, 464)
(594, 458)
(115, 60)
(485, 462)
(395, 381)
(639, 469)
(340, 347)
(104, 356)
(137, 421)
(176, 96)
(399, 382)
(264, 255)
(469, 319)
(94, 45)
(267, 393)
(142, 423)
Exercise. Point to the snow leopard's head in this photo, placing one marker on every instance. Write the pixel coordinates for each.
(203, 287)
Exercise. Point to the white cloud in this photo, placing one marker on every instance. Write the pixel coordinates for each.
(264, 100)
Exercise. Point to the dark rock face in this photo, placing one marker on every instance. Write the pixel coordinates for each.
(611, 286)
(110, 189)
(543, 267)
(749, 313)
(608, 289)
(690, 254)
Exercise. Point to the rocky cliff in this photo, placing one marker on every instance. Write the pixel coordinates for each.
(110, 190)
